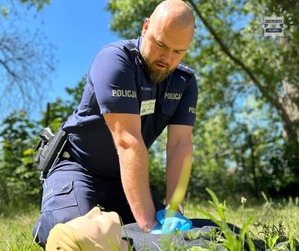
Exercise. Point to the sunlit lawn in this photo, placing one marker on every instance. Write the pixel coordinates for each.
(271, 218)
(15, 231)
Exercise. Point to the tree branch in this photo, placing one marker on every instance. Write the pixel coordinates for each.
(9, 71)
(265, 92)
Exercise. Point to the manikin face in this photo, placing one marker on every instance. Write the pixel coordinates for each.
(102, 227)
(164, 44)
(98, 225)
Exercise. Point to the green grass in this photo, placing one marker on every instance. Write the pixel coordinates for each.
(15, 230)
(267, 223)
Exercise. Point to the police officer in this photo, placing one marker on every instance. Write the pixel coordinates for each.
(134, 90)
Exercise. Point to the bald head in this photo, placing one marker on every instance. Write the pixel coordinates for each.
(174, 12)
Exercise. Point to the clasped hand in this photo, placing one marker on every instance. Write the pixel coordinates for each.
(170, 221)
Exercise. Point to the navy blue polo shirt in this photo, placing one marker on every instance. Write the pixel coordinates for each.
(117, 83)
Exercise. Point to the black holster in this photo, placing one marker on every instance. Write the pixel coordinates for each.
(49, 149)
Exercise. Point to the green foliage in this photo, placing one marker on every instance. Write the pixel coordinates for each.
(271, 229)
(4, 11)
(16, 228)
(271, 236)
(232, 241)
(129, 15)
(19, 175)
(39, 4)
(157, 164)
(58, 111)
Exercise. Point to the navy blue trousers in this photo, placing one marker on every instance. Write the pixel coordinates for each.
(71, 191)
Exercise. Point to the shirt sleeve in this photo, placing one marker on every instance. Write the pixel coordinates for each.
(185, 113)
(112, 75)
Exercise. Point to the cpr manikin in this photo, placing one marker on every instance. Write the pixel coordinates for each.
(94, 231)
(97, 231)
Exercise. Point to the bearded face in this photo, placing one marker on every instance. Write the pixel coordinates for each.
(157, 71)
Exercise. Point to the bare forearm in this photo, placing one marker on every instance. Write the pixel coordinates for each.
(133, 158)
(179, 162)
(135, 180)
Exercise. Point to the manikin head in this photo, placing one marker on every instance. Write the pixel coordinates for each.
(166, 37)
(94, 231)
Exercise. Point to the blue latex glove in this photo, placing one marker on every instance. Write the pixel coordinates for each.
(157, 229)
(171, 221)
